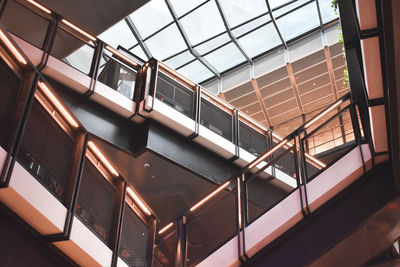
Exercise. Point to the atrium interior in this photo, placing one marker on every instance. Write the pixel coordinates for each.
(199, 133)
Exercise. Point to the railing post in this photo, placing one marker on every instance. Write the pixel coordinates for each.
(75, 181)
(49, 41)
(303, 168)
(118, 218)
(235, 133)
(95, 66)
(197, 110)
(298, 174)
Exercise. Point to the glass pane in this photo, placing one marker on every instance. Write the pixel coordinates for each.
(212, 228)
(251, 25)
(148, 24)
(203, 23)
(196, 72)
(299, 21)
(179, 60)
(276, 3)
(72, 51)
(213, 43)
(181, 7)
(260, 40)
(119, 34)
(117, 76)
(238, 11)
(327, 11)
(225, 57)
(138, 51)
(263, 193)
(166, 43)
(287, 8)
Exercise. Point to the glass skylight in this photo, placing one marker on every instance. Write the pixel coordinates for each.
(201, 22)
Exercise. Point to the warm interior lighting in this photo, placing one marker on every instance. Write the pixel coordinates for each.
(165, 228)
(269, 153)
(323, 114)
(115, 52)
(250, 120)
(315, 160)
(100, 155)
(219, 189)
(173, 72)
(13, 49)
(58, 104)
(66, 22)
(138, 201)
(217, 99)
(36, 4)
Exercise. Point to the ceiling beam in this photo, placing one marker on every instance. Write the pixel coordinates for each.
(294, 86)
(188, 43)
(261, 101)
(275, 25)
(138, 37)
(330, 71)
(231, 35)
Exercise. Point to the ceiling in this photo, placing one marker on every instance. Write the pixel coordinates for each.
(311, 80)
(202, 39)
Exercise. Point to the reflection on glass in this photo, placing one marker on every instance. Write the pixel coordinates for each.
(117, 76)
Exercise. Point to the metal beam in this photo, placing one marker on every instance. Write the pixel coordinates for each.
(231, 35)
(275, 25)
(294, 86)
(261, 101)
(187, 41)
(330, 71)
(138, 37)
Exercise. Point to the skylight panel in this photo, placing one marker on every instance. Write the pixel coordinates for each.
(299, 21)
(119, 34)
(166, 43)
(203, 23)
(151, 17)
(196, 72)
(239, 11)
(225, 57)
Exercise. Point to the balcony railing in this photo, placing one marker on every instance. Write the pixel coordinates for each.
(51, 145)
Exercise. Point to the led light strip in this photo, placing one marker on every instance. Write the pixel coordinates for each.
(322, 114)
(219, 189)
(66, 22)
(58, 105)
(137, 200)
(217, 99)
(100, 155)
(116, 52)
(36, 4)
(13, 49)
(266, 155)
(164, 229)
(180, 76)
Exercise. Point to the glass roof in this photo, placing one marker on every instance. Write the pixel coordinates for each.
(203, 38)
